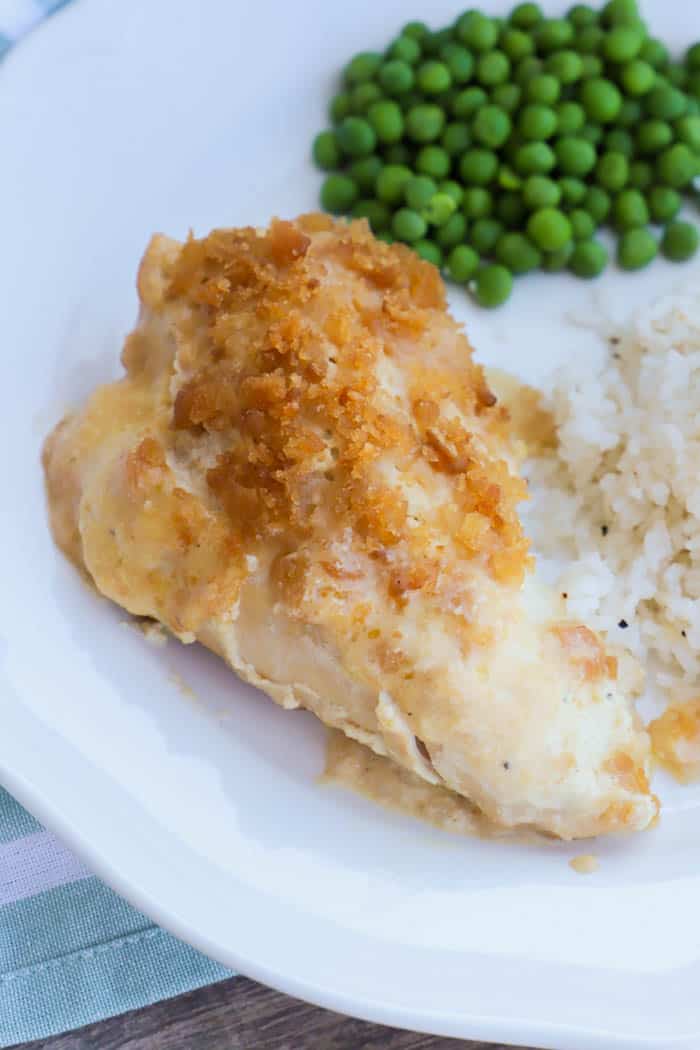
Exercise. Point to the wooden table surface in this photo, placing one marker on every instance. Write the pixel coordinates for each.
(240, 1015)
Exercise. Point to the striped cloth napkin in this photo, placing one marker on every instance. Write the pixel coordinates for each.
(71, 950)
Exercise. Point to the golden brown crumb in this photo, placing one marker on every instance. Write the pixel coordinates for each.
(284, 366)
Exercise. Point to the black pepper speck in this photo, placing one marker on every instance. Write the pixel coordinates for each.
(623, 624)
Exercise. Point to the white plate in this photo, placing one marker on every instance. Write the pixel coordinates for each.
(119, 119)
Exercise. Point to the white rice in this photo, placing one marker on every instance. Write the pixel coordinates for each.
(619, 499)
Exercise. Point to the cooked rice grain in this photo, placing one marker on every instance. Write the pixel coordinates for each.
(619, 498)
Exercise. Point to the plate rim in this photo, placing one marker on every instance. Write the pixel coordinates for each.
(29, 794)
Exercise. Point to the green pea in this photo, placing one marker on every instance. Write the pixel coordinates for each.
(362, 96)
(612, 171)
(376, 213)
(517, 253)
(462, 263)
(362, 67)
(506, 96)
(573, 190)
(338, 193)
(405, 49)
(433, 161)
(526, 69)
(582, 224)
(630, 210)
(589, 40)
(391, 183)
(600, 99)
(664, 203)
(581, 15)
(456, 138)
(687, 130)
(592, 67)
(637, 77)
(356, 137)
(693, 107)
(677, 166)
(459, 62)
(537, 122)
(509, 179)
(654, 52)
(692, 86)
(566, 66)
(398, 154)
(592, 133)
(477, 202)
(491, 126)
(492, 68)
(641, 175)
(636, 249)
(619, 141)
(597, 203)
(386, 119)
(575, 156)
(555, 262)
(510, 210)
(553, 34)
(630, 113)
(665, 102)
(534, 158)
(478, 167)
(433, 77)
(452, 189)
(428, 251)
(325, 151)
(549, 229)
(617, 12)
(493, 285)
(539, 191)
(680, 241)
(424, 123)
(467, 102)
(340, 106)
(364, 172)
(439, 209)
(622, 44)
(676, 75)
(408, 225)
(396, 77)
(433, 42)
(653, 136)
(418, 191)
(570, 117)
(452, 232)
(543, 89)
(526, 16)
(476, 31)
(484, 234)
(588, 259)
(516, 44)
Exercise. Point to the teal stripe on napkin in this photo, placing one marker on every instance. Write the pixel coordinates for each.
(99, 982)
(14, 821)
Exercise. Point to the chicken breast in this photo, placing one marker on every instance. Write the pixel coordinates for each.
(304, 469)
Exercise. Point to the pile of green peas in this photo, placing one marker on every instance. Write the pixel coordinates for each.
(497, 146)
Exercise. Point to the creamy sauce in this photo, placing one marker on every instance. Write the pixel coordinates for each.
(352, 766)
(675, 740)
(532, 424)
